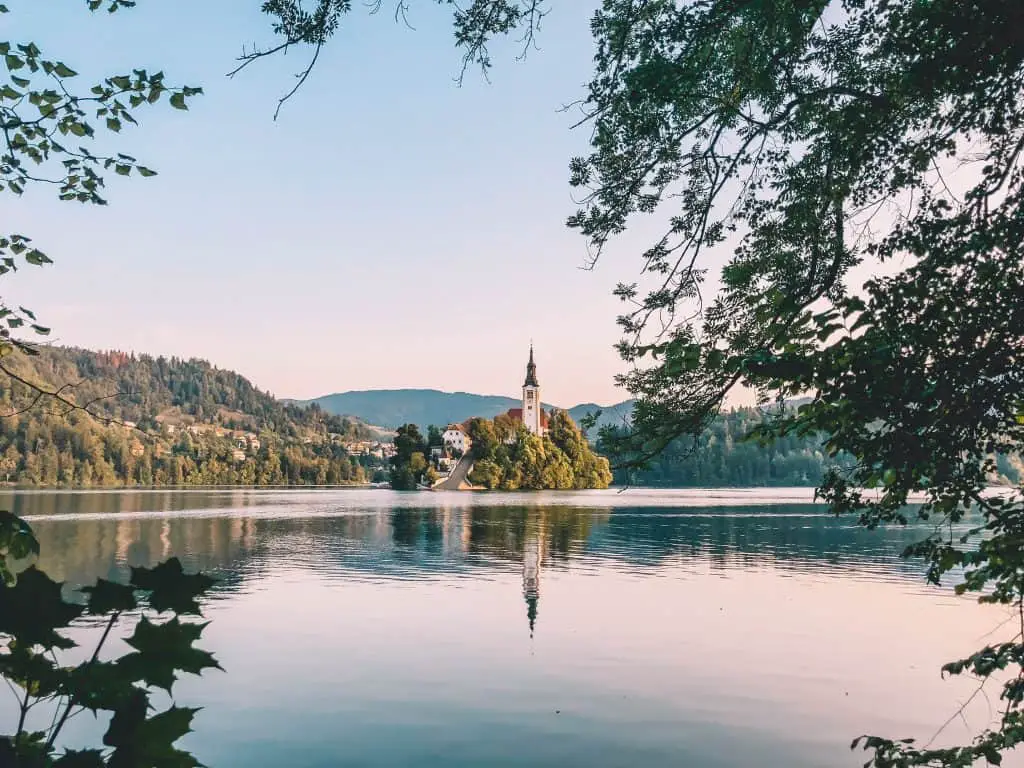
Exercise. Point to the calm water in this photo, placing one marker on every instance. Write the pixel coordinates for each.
(367, 628)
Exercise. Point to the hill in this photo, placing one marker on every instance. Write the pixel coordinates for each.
(158, 420)
(423, 407)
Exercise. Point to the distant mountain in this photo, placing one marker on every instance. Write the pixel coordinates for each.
(610, 415)
(394, 407)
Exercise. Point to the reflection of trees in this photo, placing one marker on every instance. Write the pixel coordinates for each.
(500, 532)
(81, 550)
(46, 503)
(458, 539)
(797, 535)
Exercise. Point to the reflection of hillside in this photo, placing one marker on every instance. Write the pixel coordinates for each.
(81, 550)
(45, 503)
(449, 541)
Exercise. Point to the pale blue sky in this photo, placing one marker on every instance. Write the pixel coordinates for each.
(389, 230)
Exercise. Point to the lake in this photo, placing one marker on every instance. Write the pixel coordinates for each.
(655, 628)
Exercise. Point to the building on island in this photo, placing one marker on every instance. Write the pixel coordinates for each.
(532, 414)
(456, 439)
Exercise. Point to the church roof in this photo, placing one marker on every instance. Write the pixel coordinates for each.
(531, 372)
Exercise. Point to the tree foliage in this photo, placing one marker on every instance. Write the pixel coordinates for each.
(186, 416)
(725, 455)
(36, 653)
(409, 464)
(810, 138)
(508, 457)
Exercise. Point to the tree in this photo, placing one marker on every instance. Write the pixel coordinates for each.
(810, 138)
(483, 436)
(434, 436)
(409, 462)
(408, 441)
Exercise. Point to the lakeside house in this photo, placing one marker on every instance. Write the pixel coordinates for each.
(456, 439)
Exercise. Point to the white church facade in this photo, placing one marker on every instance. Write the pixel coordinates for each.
(532, 414)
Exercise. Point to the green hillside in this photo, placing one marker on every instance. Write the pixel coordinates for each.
(172, 421)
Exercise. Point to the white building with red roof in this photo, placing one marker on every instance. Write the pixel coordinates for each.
(532, 414)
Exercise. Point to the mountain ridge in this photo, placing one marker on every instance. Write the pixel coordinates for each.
(392, 408)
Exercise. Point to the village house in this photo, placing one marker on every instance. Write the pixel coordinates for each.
(456, 439)
(442, 458)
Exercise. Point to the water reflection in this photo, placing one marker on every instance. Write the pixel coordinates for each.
(449, 540)
(536, 629)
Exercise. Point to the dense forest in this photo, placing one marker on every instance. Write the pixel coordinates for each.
(723, 457)
(146, 421)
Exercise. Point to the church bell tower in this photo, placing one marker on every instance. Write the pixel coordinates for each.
(531, 398)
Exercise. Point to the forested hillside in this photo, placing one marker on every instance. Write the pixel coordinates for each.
(173, 421)
(723, 458)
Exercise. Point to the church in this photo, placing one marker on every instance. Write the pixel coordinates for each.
(531, 415)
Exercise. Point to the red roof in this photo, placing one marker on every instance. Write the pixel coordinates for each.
(516, 414)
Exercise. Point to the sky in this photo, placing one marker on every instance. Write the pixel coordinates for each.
(390, 229)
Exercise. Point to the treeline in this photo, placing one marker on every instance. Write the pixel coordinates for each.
(722, 457)
(508, 457)
(238, 435)
(142, 388)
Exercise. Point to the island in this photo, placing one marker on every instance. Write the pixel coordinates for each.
(526, 448)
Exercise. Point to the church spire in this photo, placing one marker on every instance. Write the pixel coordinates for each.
(531, 371)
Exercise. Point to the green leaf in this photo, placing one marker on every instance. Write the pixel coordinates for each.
(178, 100)
(109, 596)
(164, 650)
(37, 258)
(33, 610)
(16, 538)
(100, 685)
(63, 70)
(170, 588)
(143, 171)
(148, 742)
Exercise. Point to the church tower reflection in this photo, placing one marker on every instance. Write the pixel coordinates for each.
(533, 557)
